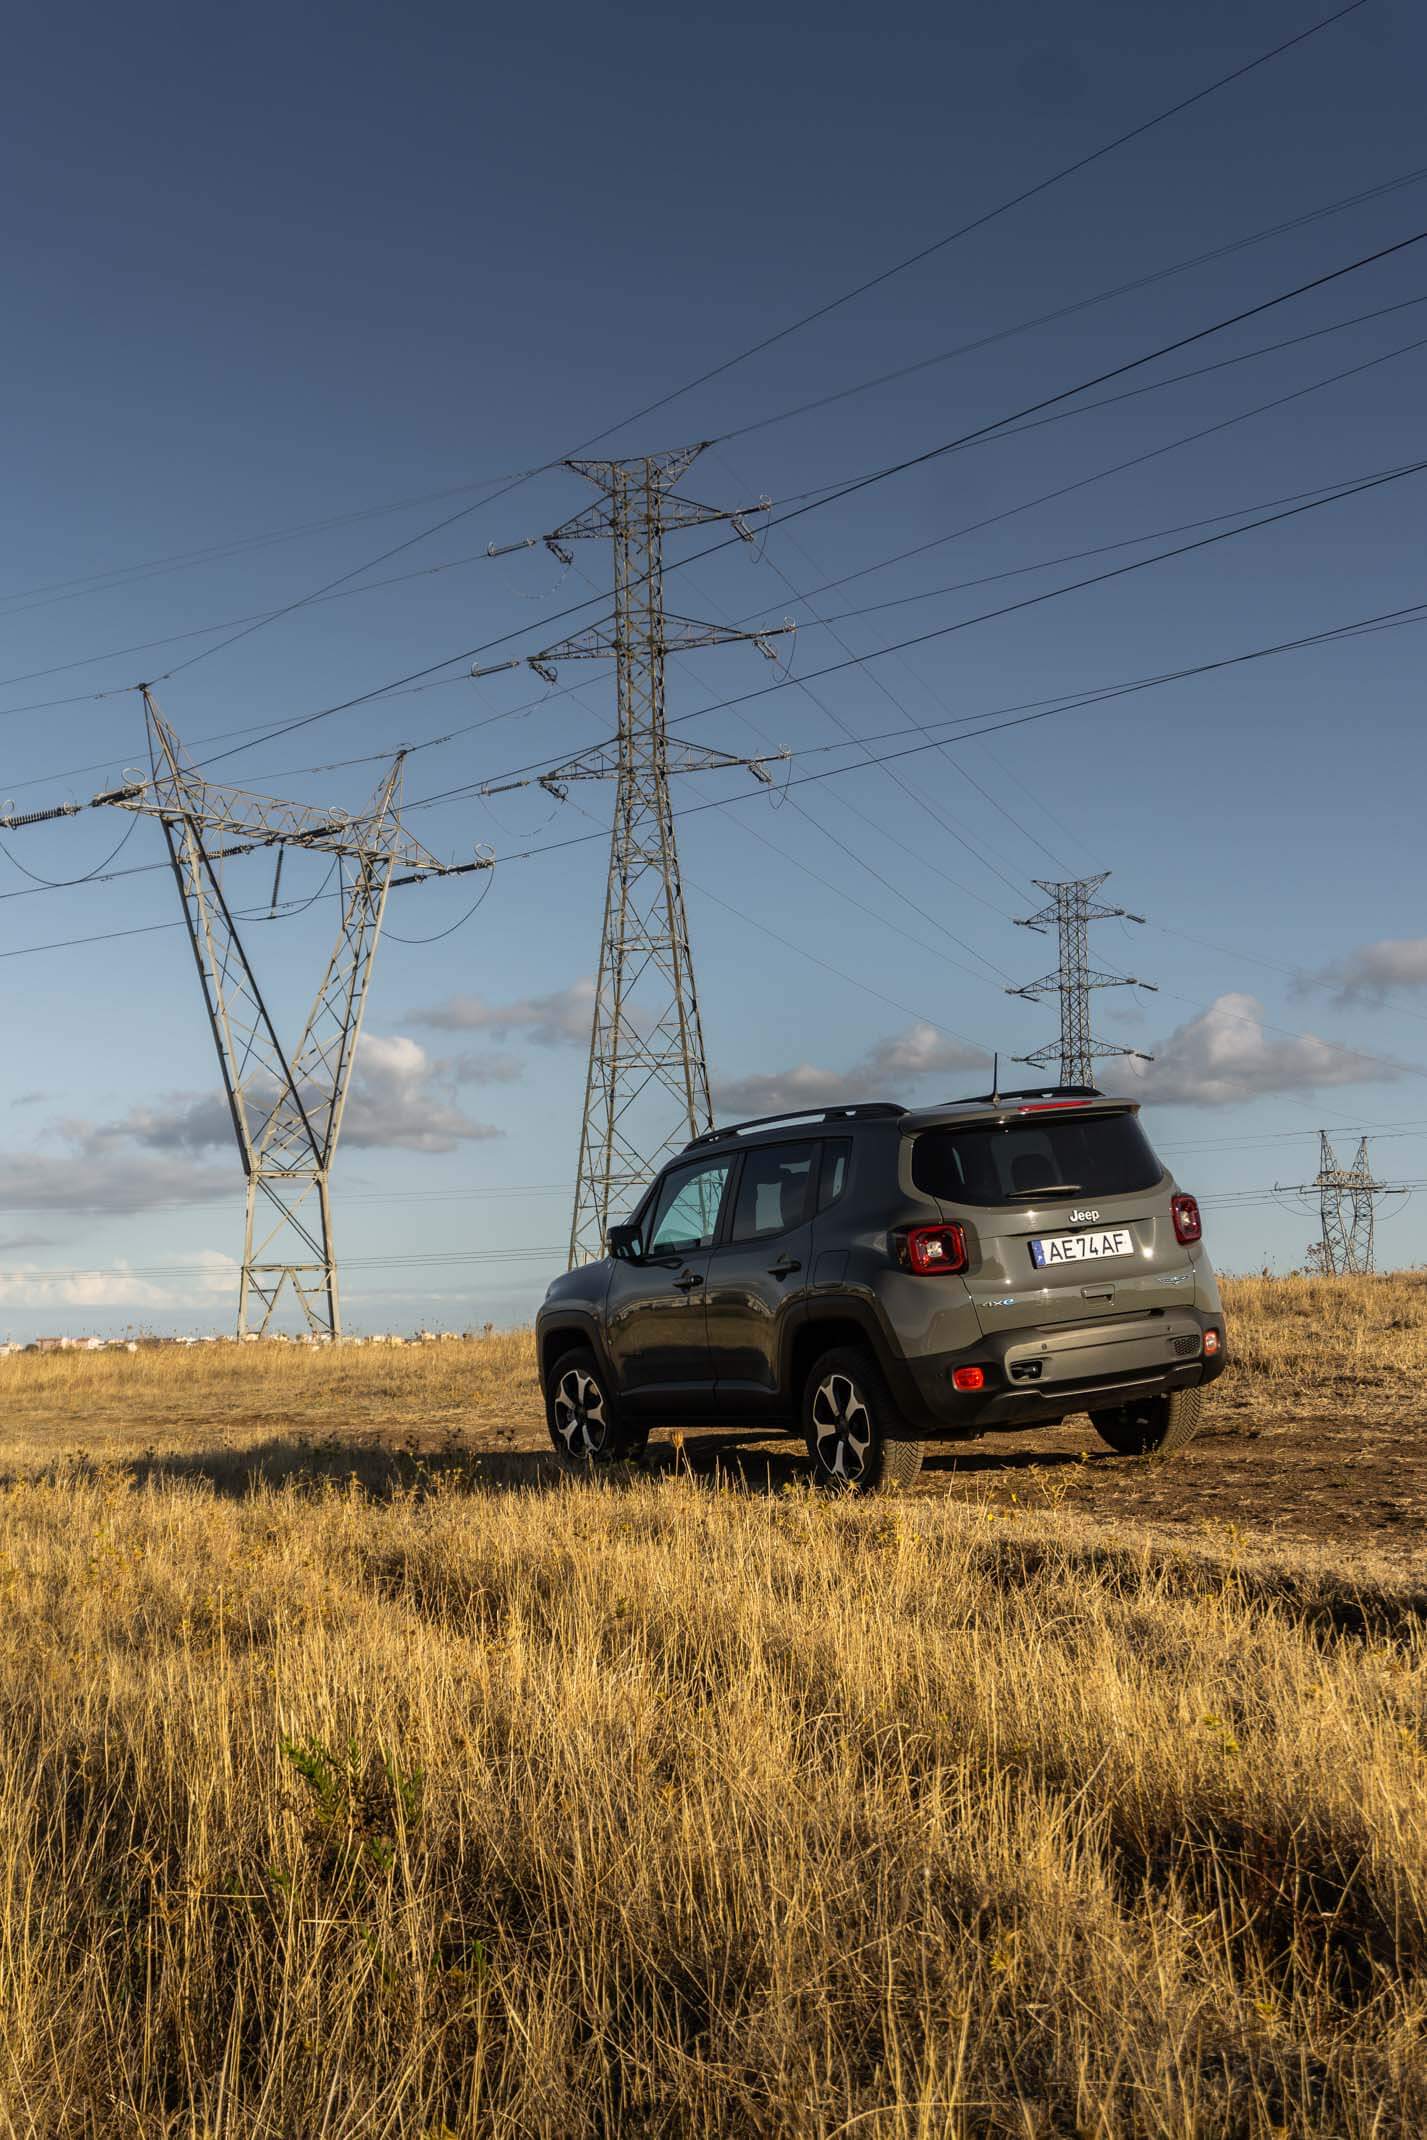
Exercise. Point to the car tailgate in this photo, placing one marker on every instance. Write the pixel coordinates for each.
(1010, 1292)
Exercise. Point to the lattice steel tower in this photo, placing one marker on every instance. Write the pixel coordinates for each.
(647, 1088)
(287, 1110)
(1347, 1199)
(1071, 910)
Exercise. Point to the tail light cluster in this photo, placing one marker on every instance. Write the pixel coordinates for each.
(1188, 1226)
(931, 1251)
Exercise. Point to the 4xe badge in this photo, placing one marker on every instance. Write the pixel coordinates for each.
(1087, 1216)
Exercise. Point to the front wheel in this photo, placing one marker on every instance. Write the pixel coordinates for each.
(1154, 1426)
(587, 1429)
(849, 1420)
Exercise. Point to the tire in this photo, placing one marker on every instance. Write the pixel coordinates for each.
(1156, 1426)
(588, 1430)
(849, 1419)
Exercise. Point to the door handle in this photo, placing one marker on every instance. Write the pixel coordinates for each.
(784, 1267)
(686, 1281)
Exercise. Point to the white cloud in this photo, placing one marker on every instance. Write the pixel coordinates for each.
(96, 1176)
(1228, 1054)
(562, 1018)
(918, 1052)
(213, 1277)
(1372, 973)
(401, 1099)
(485, 1066)
(781, 1091)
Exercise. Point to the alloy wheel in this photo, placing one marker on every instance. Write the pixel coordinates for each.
(579, 1409)
(842, 1428)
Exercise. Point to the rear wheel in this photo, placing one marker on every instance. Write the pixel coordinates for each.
(848, 1419)
(1156, 1425)
(587, 1428)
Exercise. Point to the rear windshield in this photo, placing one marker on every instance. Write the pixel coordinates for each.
(1088, 1155)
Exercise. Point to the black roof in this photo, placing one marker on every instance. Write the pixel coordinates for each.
(862, 1111)
(972, 1107)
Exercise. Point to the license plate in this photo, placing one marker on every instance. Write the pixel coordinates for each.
(1058, 1248)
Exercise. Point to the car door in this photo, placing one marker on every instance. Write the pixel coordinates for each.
(758, 1273)
(656, 1325)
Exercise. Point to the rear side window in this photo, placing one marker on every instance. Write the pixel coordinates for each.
(836, 1153)
(1092, 1155)
(773, 1190)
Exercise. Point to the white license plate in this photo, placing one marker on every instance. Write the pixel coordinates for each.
(1058, 1248)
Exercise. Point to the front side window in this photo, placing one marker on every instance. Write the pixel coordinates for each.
(686, 1214)
(1085, 1155)
(773, 1193)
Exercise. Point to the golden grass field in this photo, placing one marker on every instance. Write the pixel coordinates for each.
(361, 1780)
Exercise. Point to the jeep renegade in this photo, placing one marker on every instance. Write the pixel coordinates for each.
(876, 1277)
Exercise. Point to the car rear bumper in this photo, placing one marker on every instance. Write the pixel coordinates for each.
(1035, 1377)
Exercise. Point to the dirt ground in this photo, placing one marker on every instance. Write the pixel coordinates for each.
(1316, 1433)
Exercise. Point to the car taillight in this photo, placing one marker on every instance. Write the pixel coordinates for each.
(1188, 1226)
(931, 1250)
(968, 1378)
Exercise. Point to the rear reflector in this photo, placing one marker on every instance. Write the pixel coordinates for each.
(968, 1378)
(1212, 1342)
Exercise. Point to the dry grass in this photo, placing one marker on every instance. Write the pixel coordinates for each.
(1358, 1338)
(652, 1809)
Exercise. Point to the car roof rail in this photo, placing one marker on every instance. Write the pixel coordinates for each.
(860, 1111)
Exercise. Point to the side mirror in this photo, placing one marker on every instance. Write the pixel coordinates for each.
(623, 1243)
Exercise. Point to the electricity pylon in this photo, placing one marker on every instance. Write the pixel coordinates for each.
(1071, 909)
(1347, 1199)
(286, 1109)
(646, 1040)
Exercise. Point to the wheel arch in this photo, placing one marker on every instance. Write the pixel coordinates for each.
(840, 1323)
(571, 1330)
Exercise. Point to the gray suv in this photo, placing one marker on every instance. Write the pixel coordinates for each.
(877, 1277)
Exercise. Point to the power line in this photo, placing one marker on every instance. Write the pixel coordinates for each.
(1415, 613)
(1076, 306)
(864, 482)
(260, 731)
(18, 601)
(1007, 609)
(990, 215)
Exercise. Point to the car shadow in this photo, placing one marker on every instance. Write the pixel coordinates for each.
(748, 1460)
(757, 1464)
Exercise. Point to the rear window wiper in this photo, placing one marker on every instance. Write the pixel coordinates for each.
(1053, 1188)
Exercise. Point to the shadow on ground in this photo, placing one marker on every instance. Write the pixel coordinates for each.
(748, 1461)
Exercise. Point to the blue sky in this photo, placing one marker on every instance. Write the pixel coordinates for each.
(271, 270)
